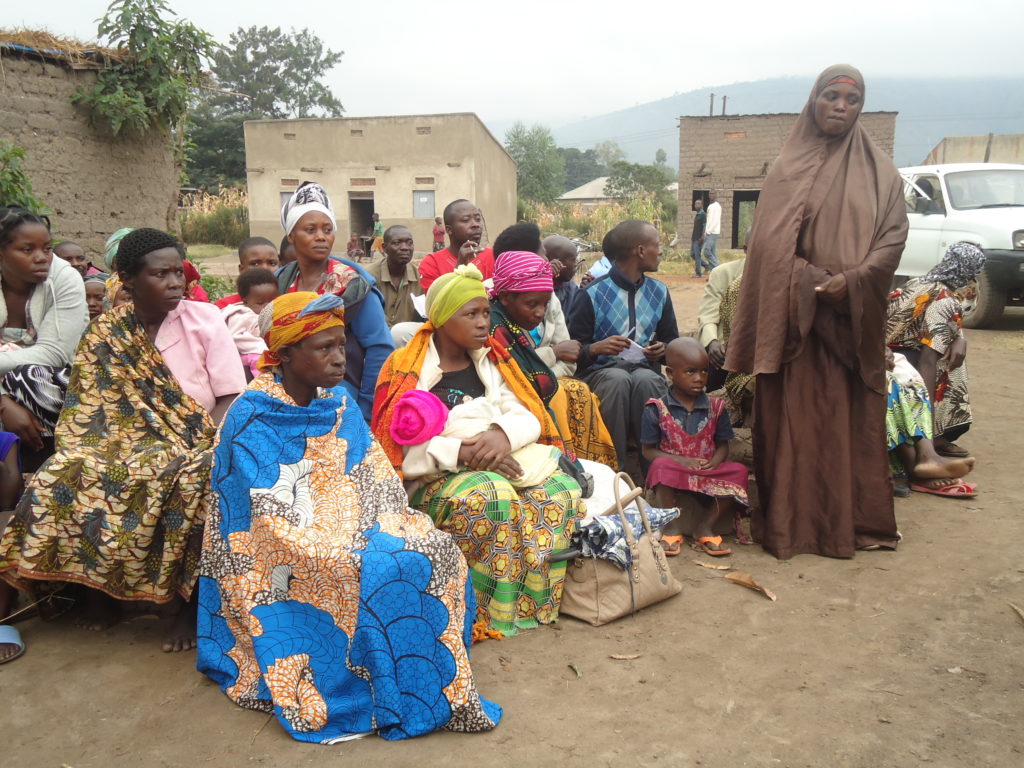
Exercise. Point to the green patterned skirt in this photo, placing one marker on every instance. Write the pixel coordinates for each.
(908, 412)
(507, 535)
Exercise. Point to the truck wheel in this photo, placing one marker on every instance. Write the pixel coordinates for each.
(990, 304)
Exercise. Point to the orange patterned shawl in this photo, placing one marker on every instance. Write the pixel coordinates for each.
(401, 373)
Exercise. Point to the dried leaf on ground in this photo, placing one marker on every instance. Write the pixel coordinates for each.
(624, 656)
(744, 579)
(575, 669)
(713, 566)
(1018, 610)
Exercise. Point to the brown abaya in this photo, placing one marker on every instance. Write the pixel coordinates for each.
(830, 205)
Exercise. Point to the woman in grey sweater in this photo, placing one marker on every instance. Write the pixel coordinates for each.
(42, 317)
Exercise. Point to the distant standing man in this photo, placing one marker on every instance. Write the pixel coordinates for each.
(697, 236)
(438, 234)
(712, 229)
(464, 225)
(397, 277)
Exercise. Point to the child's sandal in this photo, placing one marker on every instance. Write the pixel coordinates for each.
(673, 545)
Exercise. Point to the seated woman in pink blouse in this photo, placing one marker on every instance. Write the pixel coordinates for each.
(125, 496)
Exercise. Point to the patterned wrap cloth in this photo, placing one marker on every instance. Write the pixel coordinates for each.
(930, 314)
(521, 272)
(573, 406)
(120, 506)
(323, 598)
(506, 534)
(908, 410)
(293, 317)
(728, 480)
(604, 536)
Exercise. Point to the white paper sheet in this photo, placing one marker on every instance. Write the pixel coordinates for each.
(634, 353)
(419, 303)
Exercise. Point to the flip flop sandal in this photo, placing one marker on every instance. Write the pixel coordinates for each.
(673, 545)
(960, 490)
(953, 451)
(10, 636)
(703, 543)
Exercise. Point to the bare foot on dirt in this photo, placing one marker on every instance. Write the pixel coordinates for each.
(101, 612)
(943, 468)
(182, 635)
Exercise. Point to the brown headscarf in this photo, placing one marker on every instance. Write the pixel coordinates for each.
(830, 204)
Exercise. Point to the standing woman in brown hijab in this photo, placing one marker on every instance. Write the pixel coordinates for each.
(827, 237)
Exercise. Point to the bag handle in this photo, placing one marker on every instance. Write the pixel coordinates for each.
(656, 550)
(627, 529)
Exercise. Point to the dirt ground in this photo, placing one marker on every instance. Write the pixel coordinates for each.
(888, 659)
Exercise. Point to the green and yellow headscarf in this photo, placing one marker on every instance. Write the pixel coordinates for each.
(450, 292)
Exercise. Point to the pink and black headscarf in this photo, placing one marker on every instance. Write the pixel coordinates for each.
(522, 272)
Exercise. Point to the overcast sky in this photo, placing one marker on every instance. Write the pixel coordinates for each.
(553, 61)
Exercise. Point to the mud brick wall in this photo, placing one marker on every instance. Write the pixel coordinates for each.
(93, 182)
(735, 152)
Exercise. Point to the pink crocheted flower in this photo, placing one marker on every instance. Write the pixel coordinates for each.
(418, 417)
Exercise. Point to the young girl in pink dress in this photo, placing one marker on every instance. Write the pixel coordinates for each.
(685, 435)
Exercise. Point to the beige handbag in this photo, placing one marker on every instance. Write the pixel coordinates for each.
(598, 592)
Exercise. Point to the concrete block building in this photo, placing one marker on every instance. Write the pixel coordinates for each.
(732, 155)
(405, 168)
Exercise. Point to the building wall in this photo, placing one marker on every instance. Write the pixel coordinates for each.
(990, 148)
(733, 153)
(93, 182)
(390, 158)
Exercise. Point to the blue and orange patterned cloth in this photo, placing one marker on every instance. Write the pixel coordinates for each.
(322, 597)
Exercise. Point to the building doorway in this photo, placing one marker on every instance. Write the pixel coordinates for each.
(360, 218)
(743, 204)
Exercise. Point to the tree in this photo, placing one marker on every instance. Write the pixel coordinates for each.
(660, 157)
(275, 74)
(609, 152)
(630, 179)
(580, 167)
(540, 169)
(262, 73)
(150, 81)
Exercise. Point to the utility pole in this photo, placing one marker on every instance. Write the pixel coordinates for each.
(711, 106)
(724, 99)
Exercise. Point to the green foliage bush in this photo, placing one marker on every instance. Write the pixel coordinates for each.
(15, 185)
(149, 84)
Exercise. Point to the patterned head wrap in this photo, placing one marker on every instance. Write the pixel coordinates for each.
(309, 196)
(296, 316)
(522, 272)
(450, 292)
(958, 267)
(96, 277)
(110, 249)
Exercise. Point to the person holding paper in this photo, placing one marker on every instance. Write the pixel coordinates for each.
(623, 319)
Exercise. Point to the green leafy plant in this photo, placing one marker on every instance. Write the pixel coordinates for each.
(15, 185)
(148, 85)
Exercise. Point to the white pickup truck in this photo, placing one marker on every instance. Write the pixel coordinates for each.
(980, 203)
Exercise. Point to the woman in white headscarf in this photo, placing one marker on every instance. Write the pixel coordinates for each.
(309, 225)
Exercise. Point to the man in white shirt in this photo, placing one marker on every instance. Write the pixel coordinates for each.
(712, 229)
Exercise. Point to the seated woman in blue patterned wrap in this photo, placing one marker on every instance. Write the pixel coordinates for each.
(322, 597)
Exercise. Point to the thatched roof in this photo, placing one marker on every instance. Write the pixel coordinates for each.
(42, 44)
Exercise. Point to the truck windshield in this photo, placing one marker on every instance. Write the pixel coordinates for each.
(986, 189)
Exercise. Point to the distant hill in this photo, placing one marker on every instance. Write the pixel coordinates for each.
(929, 110)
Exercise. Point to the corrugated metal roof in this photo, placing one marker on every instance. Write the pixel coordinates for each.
(589, 191)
